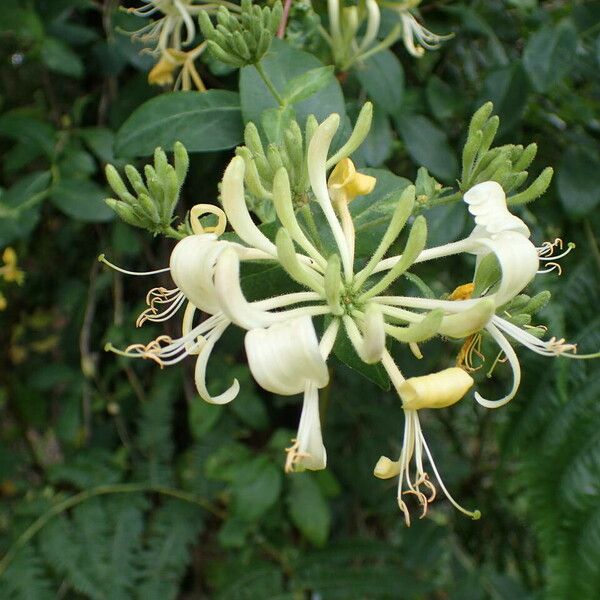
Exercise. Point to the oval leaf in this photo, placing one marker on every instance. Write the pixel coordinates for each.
(202, 121)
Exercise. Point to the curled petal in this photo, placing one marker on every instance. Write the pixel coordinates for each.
(200, 372)
(514, 363)
(487, 203)
(469, 321)
(519, 262)
(234, 203)
(192, 267)
(285, 356)
(230, 296)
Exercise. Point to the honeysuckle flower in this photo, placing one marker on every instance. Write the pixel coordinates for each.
(436, 390)
(344, 24)
(497, 232)
(416, 37)
(173, 59)
(176, 19)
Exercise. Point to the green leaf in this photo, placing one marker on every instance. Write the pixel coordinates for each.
(376, 149)
(282, 64)
(255, 489)
(21, 127)
(308, 83)
(202, 417)
(17, 222)
(549, 54)
(508, 89)
(445, 223)
(308, 508)
(82, 200)
(444, 100)
(382, 77)
(201, 121)
(372, 213)
(20, 19)
(100, 141)
(428, 146)
(58, 57)
(344, 351)
(274, 121)
(578, 180)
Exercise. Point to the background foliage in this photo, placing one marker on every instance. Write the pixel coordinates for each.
(146, 492)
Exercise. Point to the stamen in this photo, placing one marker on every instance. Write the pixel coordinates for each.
(293, 456)
(551, 266)
(472, 346)
(102, 259)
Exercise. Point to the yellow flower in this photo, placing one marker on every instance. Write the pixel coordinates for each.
(172, 59)
(3, 303)
(437, 390)
(10, 271)
(162, 72)
(345, 182)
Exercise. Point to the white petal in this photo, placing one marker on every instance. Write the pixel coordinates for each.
(311, 449)
(487, 203)
(515, 365)
(518, 260)
(285, 356)
(234, 203)
(200, 371)
(192, 268)
(230, 296)
(317, 173)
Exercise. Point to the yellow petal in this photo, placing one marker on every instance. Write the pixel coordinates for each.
(162, 72)
(386, 468)
(437, 390)
(346, 183)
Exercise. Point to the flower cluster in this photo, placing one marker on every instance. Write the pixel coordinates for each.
(290, 337)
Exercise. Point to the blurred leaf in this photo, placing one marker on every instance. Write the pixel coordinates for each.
(100, 141)
(445, 223)
(28, 129)
(308, 83)
(382, 77)
(21, 20)
(202, 417)
(202, 121)
(508, 89)
(255, 488)
(549, 54)
(377, 148)
(578, 180)
(428, 146)
(81, 199)
(282, 64)
(17, 222)
(58, 57)
(308, 508)
(444, 100)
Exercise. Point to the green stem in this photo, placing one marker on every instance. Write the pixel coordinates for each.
(119, 488)
(444, 200)
(258, 66)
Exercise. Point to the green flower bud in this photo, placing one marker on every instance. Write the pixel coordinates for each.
(535, 190)
(124, 211)
(480, 117)
(526, 157)
(182, 162)
(135, 179)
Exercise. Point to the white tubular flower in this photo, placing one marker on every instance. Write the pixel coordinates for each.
(487, 204)
(166, 32)
(284, 356)
(418, 38)
(286, 359)
(437, 390)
